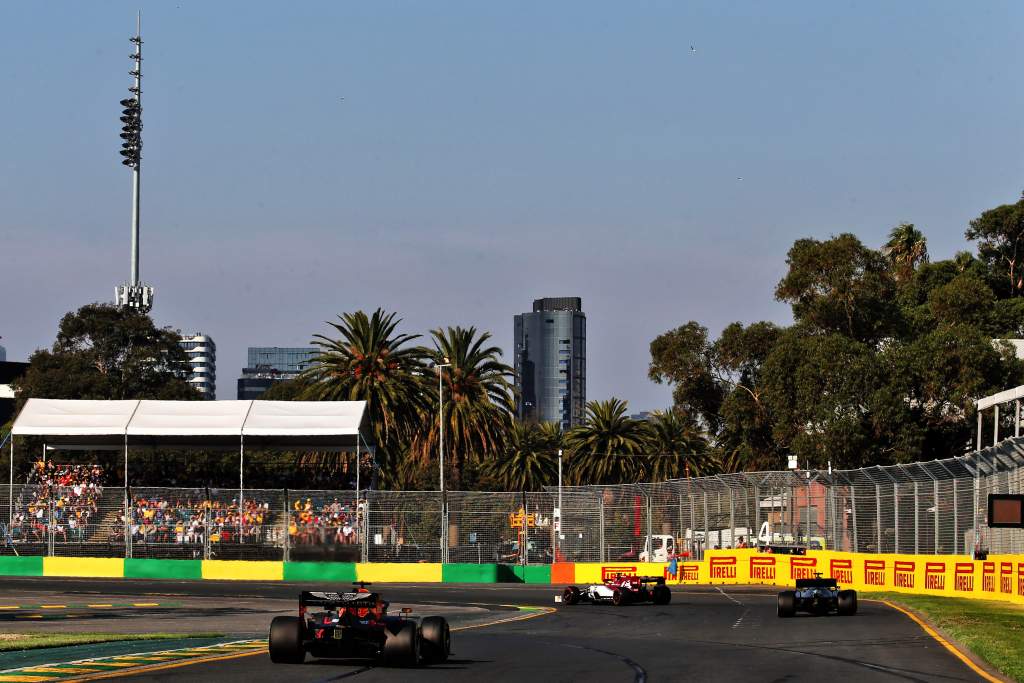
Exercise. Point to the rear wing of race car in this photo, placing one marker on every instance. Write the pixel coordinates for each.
(658, 580)
(816, 583)
(326, 599)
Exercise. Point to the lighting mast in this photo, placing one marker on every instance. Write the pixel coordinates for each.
(134, 294)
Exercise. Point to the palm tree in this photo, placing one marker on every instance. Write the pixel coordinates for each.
(907, 248)
(678, 448)
(531, 460)
(608, 447)
(963, 260)
(478, 403)
(371, 362)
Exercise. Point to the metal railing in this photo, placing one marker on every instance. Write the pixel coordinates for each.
(924, 508)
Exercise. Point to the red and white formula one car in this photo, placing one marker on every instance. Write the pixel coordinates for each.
(619, 590)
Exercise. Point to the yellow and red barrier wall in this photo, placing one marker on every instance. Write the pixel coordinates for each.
(1000, 577)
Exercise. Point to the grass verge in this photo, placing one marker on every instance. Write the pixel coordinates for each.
(994, 631)
(10, 642)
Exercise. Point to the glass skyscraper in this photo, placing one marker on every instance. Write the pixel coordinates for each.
(280, 358)
(267, 365)
(551, 362)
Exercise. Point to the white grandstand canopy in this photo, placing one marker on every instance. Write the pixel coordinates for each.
(320, 425)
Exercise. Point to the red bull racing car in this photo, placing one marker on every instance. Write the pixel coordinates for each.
(357, 624)
(620, 590)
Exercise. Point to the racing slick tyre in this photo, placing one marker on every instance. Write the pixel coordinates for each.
(436, 642)
(661, 595)
(403, 647)
(620, 597)
(787, 604)
(847, 603)
(286, 641)
(571, 595)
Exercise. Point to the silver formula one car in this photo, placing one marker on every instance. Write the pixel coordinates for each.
(818, 596)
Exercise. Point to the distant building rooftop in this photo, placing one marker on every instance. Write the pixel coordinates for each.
(558, 303)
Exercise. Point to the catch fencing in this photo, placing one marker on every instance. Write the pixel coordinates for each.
(936, 507)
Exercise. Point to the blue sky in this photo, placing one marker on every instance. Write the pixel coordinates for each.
(485, 154)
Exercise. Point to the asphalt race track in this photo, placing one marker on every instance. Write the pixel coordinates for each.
(705, 634)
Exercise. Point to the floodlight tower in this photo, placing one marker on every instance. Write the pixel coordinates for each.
(134, 293)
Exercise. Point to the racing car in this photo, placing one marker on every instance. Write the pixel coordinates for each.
(620, 590)
(818, 596)
(357, 624)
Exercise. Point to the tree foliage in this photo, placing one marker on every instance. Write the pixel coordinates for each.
(478, 404)
(106, 352)
(840, 285)
(999, 233)
(530, 460)
(370, 361)
(906, 249)
(609, 447)
(886, 354)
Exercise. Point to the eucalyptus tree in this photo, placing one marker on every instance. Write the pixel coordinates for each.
(369, 360)
(999, 233)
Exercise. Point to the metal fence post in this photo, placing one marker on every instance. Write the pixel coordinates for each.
(127, 523)
(650, 538)
(977, 495)
(917, 520)
(50, 527)
(286, 528)
(956, 519)
(681, 533)
(807, 510)
(524, 548)
(853, 514)
(935, 515)
(444, 528)
(830, 516)
(878, 517)
(365, 554)
(732, 521)
(705, 544)
(693, 519)
(207, 525)
(757, 514)
(896, 516)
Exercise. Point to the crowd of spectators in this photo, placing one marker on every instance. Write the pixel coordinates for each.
(325, 522)
(158, 519)
(60, 498)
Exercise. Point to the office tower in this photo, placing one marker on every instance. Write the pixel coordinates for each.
(551, 362)
(267, 365)
(202, 359)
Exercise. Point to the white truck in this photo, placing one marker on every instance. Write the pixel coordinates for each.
(665, 546)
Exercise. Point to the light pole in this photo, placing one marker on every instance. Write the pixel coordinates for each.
(440, 432)
(134, 293)
(558, 520)
(440, 417)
